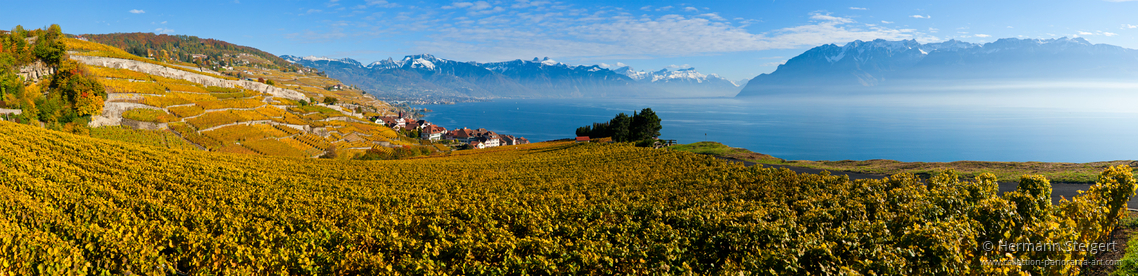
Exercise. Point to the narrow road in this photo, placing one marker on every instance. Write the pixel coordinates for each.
(1058, 190)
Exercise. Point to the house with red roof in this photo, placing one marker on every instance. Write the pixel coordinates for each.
(433, 132)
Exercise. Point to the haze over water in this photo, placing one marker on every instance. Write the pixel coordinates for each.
(1048, 126)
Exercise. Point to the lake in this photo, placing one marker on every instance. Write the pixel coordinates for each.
(949, 127)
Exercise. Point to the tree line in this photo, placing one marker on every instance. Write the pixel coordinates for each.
(640, 126)
(183, 47)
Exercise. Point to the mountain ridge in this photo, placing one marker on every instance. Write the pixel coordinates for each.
(425, 74)
(880, 63)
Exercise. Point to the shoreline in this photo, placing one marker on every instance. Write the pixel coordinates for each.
(1059, 190)
(1073, 173)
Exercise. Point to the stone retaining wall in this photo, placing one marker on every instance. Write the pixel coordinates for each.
(168, 72)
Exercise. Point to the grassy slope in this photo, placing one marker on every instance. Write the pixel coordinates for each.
(1057, 172)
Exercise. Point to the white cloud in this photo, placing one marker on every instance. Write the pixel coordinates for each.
(137, 11)
(933, 30)
(886, 22)
(634, 37)
(163, 31)
(1120, 0)
(620, 64)
(458, 5)
(664, 8)
(713, 16)
(475, 8)
(646, 8)
(982, 35)
(163, 22)
(673, 66)
(920, 16)
(1085, 33)
(382, 4)
(1109, 34)
(1128, 26)
(857, 8)
(691, 9)
(526, 4)
(312, 11)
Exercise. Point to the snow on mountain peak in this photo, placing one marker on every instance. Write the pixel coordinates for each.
(666, 75)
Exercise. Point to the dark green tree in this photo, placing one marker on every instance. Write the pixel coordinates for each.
(618, 126)
(645, 125)
(624, 128)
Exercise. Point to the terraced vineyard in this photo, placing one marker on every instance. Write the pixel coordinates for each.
(93, 206)
(158, 138)
(228, 119)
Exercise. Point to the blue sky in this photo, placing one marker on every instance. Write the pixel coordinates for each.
(735, 39)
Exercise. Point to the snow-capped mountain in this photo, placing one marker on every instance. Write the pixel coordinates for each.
(687, 79)
(880, 63)
(536, 78)
(315, 59)
(664, 75)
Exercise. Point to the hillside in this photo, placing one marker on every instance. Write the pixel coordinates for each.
(182, 48)
(93, 206)
(99, 90)
(909, 66)
(237, 116)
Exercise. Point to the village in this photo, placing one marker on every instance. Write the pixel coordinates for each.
(463, 137)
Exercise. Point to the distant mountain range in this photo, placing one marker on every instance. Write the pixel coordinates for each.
(881, 64)
(426, 75)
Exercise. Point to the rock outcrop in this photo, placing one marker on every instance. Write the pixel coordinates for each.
(36, 71)
(159, 70)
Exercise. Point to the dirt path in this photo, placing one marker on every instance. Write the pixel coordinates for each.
(1058, 190)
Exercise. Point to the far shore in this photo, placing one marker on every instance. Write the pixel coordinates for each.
(1073, 173)
(1067, 179)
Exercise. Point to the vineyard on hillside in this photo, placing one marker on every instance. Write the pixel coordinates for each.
(76, 205)
(236, 119)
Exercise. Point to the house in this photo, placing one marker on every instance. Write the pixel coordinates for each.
(490, 141)
(464, 135)
(415, 124)
(477, 145)
(522, 141)
(490, 138)
(393, 122)
(433, 132)
(582, 139)
(508, 140)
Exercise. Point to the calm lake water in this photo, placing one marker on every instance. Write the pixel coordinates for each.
(968, 126)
